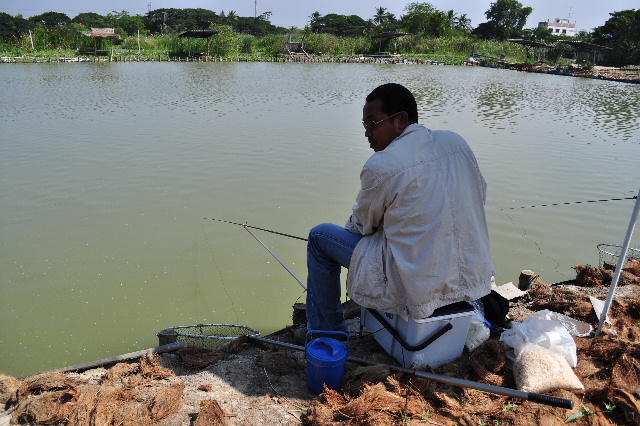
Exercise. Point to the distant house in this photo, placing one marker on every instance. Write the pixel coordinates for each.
(559, 27)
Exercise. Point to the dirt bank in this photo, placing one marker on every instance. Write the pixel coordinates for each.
(253, 383)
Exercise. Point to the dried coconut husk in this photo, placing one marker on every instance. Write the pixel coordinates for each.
(333, 398)
(567, 302)
(46, 398)
(211, 414)
(194, 357)
(478, 402)
(372, 397)
(46, 382)
(121, 408)
(84, 407)
(606, 348)
(280, 362)
(531, 413)
(487, 360)
(167, 401)
(235, 345)
(354, 380)
(49, 408)
(377, 418)
(633, 267)
(626, 374)
(540, 290)
(320, 415)
(121, 370)
(8, 388)
(590, 276)
(377, 403)
(629, 403)
(150, 367)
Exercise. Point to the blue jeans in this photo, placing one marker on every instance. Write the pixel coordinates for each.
(329, 249)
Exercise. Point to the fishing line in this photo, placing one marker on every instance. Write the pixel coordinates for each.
(224, 285)
(524, 235)
(246, 225)
(276, 257)
(571, 202)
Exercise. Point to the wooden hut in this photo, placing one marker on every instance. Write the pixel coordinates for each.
(108, 33)
(199, 34)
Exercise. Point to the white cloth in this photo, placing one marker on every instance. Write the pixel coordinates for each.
(421, 211)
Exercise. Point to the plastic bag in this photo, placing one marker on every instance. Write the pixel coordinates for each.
(478, 330)
(574, 327)
(548, 334)
(540, 370)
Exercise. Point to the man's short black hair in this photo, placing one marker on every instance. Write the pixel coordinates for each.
(395, 98)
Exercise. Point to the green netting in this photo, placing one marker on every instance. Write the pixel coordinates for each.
(212, 336)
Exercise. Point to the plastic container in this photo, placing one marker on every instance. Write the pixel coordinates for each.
(416, 343)
(325, 361)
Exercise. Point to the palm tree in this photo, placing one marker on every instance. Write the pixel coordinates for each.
(232, 18)
(463, 22)
(451, 16)
(381, 16)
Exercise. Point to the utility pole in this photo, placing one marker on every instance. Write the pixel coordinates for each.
(255, 9)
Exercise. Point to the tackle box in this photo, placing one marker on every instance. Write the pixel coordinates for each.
(417, 343)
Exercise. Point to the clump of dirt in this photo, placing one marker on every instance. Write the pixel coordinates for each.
(251, 383)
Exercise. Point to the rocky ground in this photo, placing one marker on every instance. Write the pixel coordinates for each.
(256, 383)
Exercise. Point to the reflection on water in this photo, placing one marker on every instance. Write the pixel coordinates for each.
(114, 175)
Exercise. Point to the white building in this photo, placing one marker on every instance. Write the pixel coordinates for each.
(559, 27)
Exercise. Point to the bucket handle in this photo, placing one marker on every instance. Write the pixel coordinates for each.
(448, 326)
(323, 332)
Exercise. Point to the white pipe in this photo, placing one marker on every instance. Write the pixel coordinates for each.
(621, 261)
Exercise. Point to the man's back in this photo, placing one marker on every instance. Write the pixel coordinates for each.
(421, 209)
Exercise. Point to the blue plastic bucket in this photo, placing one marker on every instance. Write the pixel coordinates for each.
(325, 361)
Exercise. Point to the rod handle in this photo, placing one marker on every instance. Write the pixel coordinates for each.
(551, 400)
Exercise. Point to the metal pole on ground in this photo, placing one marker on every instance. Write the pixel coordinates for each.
(621, 261)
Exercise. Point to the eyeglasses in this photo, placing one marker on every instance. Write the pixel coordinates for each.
(371, 125)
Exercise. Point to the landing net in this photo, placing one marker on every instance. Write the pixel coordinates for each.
(610, 252)
(212, 336)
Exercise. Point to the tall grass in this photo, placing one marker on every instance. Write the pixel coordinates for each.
(230, 44)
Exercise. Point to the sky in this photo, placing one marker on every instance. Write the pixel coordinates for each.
(586, 14)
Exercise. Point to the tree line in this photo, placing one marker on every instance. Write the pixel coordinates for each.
(506, 19)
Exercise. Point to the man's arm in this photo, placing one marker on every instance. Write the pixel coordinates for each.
(368, 212)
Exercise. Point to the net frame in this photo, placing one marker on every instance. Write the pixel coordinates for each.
(212, 336)
(611, 252)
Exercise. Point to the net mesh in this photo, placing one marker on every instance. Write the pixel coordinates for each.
(212, 336)
(610, 252)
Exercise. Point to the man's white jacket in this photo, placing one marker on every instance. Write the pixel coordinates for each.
(421, 211)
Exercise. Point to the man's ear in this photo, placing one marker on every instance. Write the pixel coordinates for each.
(403, 120)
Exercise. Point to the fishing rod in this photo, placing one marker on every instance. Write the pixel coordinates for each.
(246, 225)
(276, 257)
(572, 202)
